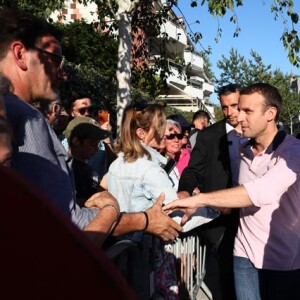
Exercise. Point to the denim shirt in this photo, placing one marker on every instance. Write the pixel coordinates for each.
(137, 185)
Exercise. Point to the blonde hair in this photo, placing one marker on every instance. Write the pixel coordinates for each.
(152, 116)
(174, 124)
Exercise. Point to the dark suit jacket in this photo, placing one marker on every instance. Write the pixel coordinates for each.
(209, 169)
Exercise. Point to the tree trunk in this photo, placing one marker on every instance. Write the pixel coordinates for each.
(124, 18)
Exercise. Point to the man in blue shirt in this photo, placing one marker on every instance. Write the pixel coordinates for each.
(31, 57)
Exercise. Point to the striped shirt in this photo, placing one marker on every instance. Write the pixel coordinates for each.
(39, 156)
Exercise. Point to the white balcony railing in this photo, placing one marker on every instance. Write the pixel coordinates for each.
(208, 89)
(174, 31)
(194, 59)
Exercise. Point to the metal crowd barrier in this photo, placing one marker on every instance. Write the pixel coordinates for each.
(191, 256)
(136, 262)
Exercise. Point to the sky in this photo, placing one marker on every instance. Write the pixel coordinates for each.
(259, 31)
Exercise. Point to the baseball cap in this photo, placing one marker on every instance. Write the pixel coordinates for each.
(184, 123)
(85, 127)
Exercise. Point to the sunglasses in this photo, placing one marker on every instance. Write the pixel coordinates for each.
(84, 110)
(173, 135)
(58, 59)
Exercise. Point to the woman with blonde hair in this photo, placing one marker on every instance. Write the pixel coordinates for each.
(173, 150)
(137, 178)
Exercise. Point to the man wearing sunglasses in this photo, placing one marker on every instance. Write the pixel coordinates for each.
(211, 167)
(80, 105)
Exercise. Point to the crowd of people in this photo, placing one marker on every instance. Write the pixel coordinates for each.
(236, 181)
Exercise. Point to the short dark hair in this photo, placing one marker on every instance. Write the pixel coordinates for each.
(45, 105)
(75, 95)
(25, 27)
(228, 89)
(269, 92)
(5, 127)
(201, 114)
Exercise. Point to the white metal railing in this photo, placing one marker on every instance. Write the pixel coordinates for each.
(191, 254)
(137, 263)
(195, 59)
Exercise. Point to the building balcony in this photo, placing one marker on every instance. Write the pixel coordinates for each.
(174, 31)
(193, 60)
(196, 81)
(175, 76)
(194, 91)
(208, 89)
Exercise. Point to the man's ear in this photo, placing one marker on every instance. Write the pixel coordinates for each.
(56, 109)
(140, 132)
(272, 112)
(20, 53)
(74, 141)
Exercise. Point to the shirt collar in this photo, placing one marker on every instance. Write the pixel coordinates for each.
(155, 155)
(278, 139)
(228, 127)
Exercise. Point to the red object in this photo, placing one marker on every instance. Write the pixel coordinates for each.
(103, 116)
(44, 256)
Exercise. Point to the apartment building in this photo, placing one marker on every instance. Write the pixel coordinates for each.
(189, 88)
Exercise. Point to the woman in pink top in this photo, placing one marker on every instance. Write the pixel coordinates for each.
(173, 149)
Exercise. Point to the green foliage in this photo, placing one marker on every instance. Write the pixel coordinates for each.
(38, 7)
(139, 95)
(236, 69)
(87, 80)
(218, 114)
(92, 57)
(207, 66)
(146, 80)
(282, 9)
(84, 44)
(92, 64)
(149, 17)
(171, 110)
(291, 99)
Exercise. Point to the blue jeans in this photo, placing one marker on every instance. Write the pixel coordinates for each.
(246, 279)
(263, 284)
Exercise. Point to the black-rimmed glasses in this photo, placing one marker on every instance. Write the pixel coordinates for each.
(59, 59)
(173, 135)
